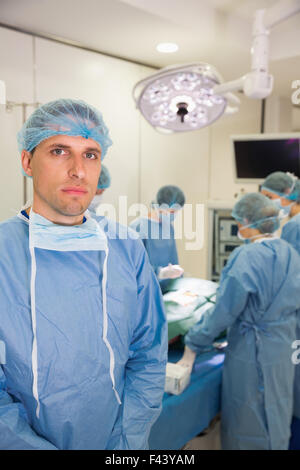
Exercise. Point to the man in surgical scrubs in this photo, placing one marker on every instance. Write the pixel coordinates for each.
(258, 300)
(291, 230)
(291, 233)
(279, 187)
(157, 233)
(81, 312)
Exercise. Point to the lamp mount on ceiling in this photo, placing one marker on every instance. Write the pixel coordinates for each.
(182, 98)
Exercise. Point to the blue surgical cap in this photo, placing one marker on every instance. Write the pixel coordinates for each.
(104, 179)
(64, 117)
(296, 192)
(170, 196)
(280, 183)
(257, 211)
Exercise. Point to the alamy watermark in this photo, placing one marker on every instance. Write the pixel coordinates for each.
(296, 94)
(2, 353)
(296, 354)
(189, 223)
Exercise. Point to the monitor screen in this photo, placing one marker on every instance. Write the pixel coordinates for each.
(256, 158)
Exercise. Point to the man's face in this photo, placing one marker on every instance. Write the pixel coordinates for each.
(65, 172)
(272, 196)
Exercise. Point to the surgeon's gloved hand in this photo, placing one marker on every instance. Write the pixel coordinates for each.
(172, 271)
(187, 359)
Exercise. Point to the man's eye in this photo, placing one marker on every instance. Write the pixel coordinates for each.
(91, 156)
(58, 151)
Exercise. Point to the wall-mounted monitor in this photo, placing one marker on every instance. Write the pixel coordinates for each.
(255, 156)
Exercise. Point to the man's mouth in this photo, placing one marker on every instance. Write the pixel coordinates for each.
(75, 190)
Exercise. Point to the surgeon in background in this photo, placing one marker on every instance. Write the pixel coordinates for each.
(291, 230)
(157, 234)
(291, 233)
(258, 300)
(103, 183)
(279, 187)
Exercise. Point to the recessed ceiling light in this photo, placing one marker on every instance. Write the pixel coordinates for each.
(167, 47)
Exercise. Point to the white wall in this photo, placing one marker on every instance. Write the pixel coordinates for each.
(278, 114)
(245, 121)
(16, 59)
(296, 118)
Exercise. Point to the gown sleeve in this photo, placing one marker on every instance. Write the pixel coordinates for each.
(237, 283)
(291, 234)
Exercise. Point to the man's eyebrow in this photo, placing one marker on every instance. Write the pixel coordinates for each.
(63, 146)
(93, 149)
(60, 145)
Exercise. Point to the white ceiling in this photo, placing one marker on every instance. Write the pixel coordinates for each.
(213, 31)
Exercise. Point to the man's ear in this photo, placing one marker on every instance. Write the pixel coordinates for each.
(26, 162)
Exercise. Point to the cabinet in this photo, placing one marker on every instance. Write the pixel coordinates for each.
(222, 237)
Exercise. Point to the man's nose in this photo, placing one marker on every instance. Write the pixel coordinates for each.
(77, 169)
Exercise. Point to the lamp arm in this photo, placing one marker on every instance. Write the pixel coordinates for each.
(259, 83)
(233, 85)
(280, 12)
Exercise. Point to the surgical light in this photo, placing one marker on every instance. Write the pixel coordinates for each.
(181, 98)
(192, 96)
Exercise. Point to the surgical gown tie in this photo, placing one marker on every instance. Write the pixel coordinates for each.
(46, 235)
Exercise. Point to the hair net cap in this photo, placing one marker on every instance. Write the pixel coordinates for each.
(257, 211)
(296, 193)
(170, 196)
(64, 117)
(280, 183)
(104, 179)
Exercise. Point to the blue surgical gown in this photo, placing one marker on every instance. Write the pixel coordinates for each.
(78, 407)
(257, 301)
(291, 233)
(161, 248)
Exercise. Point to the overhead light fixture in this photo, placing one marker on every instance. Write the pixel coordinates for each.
(167, 47)
(189, 97)
(181, 98)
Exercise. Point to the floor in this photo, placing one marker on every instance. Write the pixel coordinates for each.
(209, 439)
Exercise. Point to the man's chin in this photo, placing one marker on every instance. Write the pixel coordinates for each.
(73, 210)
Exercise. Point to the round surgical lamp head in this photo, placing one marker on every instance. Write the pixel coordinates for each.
(180, 98)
